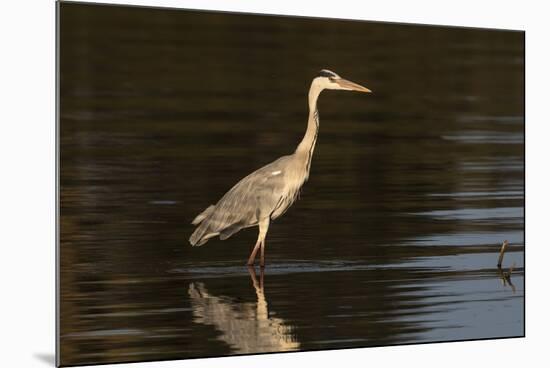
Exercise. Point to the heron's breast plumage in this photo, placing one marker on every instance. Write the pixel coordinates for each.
(295, 175)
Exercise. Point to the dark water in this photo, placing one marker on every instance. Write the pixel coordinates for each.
(395, 237)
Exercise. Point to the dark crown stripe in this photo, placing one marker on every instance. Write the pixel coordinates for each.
(327, 73)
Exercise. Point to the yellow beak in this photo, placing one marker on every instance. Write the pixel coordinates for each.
(348, 85)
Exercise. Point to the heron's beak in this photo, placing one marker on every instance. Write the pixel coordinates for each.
(350, 86)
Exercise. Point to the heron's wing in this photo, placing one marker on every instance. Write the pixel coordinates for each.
(252, 198)
(204, 214)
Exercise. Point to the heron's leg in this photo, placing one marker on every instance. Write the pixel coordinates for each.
(262, 251)
(261, 278)
(264, 225)
(253, 253)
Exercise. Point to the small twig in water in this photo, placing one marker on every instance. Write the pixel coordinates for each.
(501, 256)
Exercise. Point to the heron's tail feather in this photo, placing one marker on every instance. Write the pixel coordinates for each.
(204, 214)
(209, 226)
(212, 223)
(202, 234)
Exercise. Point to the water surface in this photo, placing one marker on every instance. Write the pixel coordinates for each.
(394, 239)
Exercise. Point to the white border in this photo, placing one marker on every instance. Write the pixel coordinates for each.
(27, 200)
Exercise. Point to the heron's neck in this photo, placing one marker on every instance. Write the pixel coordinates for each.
(307, 145)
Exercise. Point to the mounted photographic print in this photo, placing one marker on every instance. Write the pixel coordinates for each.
(237, 184)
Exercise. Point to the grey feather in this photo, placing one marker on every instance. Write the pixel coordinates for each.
(267, 192)
(203, 215)
(230, 230)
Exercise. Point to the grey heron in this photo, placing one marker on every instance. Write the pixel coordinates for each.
(268, 192)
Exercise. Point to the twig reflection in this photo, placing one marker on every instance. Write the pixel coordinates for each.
(506, 277)
(245, 327)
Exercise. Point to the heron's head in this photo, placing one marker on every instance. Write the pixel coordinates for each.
(330, 80)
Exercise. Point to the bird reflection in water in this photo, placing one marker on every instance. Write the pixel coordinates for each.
(245, 327)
